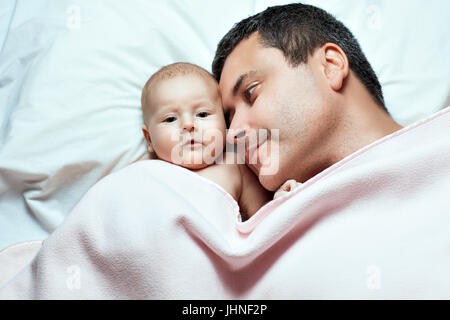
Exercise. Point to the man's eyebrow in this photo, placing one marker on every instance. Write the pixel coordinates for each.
(241, 79)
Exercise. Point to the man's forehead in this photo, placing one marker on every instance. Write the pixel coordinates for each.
(240, 60)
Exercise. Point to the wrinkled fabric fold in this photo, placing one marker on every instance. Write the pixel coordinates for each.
(373, 226)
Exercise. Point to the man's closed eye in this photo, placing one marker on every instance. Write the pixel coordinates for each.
(248, 94)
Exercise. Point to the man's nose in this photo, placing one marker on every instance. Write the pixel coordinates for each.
(237, 132)
(236, 136)
(238, 127)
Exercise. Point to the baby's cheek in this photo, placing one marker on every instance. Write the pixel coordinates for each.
(214, 136)
(166, 148)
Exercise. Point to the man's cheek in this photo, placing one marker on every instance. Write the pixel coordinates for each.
(270, 154)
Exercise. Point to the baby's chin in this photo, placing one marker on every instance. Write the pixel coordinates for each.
(191, 162)
(196, 165)
(192, 166)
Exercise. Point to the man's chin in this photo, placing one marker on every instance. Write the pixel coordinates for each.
(270, 182)
(253, 168)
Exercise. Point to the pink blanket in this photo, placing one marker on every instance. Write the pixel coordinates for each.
(376, 225)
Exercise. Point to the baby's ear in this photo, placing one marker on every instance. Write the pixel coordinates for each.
(147, 139)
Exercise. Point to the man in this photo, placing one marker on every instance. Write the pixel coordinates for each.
(297, 69)
(375, 226)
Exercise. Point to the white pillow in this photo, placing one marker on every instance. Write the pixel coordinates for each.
(71, 74)
(407, 44)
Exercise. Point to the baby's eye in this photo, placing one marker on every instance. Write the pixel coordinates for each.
(170, 119)
(202, 114)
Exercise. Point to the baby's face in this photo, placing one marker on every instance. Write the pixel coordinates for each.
(186, 125)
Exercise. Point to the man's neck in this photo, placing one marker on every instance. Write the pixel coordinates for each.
(361, 125)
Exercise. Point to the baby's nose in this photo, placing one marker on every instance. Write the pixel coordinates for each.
(188, 124)
(189, 127)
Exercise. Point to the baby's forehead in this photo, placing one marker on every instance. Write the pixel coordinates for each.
(184, 87)
(207, 80)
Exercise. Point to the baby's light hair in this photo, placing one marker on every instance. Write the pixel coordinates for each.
(168, 72)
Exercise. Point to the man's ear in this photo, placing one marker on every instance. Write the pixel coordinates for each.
(147, 138)
(335, 65)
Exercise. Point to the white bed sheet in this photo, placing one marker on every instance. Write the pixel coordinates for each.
(71, 74)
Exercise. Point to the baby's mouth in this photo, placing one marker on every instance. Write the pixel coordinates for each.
(192, 143)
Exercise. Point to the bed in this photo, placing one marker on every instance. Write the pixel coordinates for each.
(71, 74)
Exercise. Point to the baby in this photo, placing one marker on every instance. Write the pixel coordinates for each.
(184, 124)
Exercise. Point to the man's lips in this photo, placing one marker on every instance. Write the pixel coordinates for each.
(252, 152)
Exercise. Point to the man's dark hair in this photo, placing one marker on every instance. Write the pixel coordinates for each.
(298, 30)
